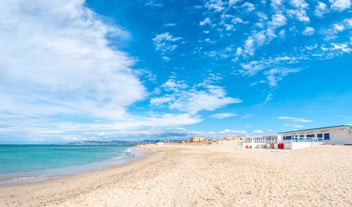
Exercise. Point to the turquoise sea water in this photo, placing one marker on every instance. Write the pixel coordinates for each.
(30, 163)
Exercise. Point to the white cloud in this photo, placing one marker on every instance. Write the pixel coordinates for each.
(299, 4)
(302, 16)
(172, 85)
(331, 33)
(249, 6)
(294, 119)
(249, 46)
(200, 97)
(58, 61)
(299, 11)
(223, 115)
(335, 49)
(311, 47)
(282, 33)
(280, 59)
(269, 97)
(238, 51)
(252, 67)
(338, 27)
(343, 47)
(340, 5)
(258, 82)
(215, 5)
(260, 38)
(60, 80)
(165, 43)
(276, 75)
(258, 131)
(236, 20)
(229, 27)
(277, 20)
(273, 75)
(321, 9)
(348, 23)
(262, 15)
(232, 2)
(276, 4)
(170, 24)
(154, 4)
(308, 31)
(205, 21)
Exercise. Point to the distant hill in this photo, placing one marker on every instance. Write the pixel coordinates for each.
(117, 142)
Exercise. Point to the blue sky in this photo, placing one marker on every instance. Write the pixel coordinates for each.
(106, 70)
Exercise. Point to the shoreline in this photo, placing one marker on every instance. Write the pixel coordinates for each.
(130, 154)
(202, 175)
(50, 191)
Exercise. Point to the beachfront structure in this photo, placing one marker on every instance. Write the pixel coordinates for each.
(298, 139)
(197, 139)
(341, 135)
(260, 142)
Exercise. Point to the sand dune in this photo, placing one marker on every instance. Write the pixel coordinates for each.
(203, 175)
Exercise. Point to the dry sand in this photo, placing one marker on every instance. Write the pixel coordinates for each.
(203, 175)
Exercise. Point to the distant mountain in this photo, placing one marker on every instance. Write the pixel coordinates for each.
(117, 142)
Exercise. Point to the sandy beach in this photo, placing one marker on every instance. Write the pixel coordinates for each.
(203, 175)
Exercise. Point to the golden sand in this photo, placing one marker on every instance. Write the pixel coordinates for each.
(203, 175)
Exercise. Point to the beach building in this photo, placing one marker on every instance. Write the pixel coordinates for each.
(341, 134)
(298, 139)
(260, 142)
(197, 139)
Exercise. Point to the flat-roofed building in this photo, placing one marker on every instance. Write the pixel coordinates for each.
(197, 139)
(260, 142)
(341, 134)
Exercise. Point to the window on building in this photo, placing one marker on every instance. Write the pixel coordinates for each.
(310, 136)
(326, 136)
(320, 136)
(287, 137)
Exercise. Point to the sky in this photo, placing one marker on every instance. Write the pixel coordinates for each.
(73, 70)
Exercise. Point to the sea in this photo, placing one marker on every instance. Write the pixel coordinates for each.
(31, 163)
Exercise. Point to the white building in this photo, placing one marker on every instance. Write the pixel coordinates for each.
(330, 135)
(260, 142)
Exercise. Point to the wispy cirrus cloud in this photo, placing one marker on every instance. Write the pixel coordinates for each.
(222, 115)
(154, 4)
(294, 119)
(276, 75)
(273, 68)
(165, 43)
(264, 29)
